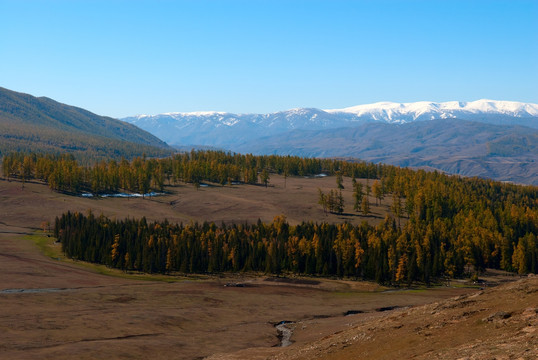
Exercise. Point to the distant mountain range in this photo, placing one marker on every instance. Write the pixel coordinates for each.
(469, 148)
(29, 123)
(496, 139)
(230, 130)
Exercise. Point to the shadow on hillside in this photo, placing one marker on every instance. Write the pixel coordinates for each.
(358, 215)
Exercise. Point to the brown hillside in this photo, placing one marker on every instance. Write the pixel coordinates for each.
(498, 323)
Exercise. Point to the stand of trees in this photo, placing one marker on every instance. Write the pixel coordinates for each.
(421, 251)
(64, 173)
(333, 201)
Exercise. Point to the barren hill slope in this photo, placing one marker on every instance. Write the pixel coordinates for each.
(497, 323)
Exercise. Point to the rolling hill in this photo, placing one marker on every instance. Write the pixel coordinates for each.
(29, 123)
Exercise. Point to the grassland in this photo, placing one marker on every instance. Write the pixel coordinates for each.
(296, 198)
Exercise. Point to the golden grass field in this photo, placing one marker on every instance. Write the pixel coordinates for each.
(55, 308)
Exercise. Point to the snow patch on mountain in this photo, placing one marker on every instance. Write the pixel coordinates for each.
(404, 112)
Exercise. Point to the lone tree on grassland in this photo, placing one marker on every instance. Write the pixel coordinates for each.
(322, 200)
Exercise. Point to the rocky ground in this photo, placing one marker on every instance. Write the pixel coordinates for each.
(496, 323)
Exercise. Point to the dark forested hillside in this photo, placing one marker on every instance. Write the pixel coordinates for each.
(451, 226)
(32, 124)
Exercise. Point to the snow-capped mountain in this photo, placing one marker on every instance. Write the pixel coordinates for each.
(469, 138)
(229, 130)
(225, 129)
(423, 110)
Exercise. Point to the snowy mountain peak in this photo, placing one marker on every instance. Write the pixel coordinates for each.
(195, 113)
(389, 110)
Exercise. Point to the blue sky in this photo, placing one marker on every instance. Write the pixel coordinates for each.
(122, 58)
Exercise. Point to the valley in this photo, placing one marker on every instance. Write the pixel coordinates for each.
(59, 308)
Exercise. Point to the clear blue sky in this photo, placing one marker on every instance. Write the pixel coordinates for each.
(122, 58)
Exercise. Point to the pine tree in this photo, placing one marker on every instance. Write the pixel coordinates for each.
(322, 200)
(115, 253)
(357, 196)
(339, 180)
(397, 207)
(365, 206)
(340, 203)
(401, 271)
(378, 191)
(264, 177)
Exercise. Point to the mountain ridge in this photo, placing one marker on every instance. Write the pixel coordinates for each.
(29, 123)
(515, 108)
(445, 109)
(468, 148)
(198, 128)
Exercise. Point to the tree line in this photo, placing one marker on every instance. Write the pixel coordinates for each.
(65, 173)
